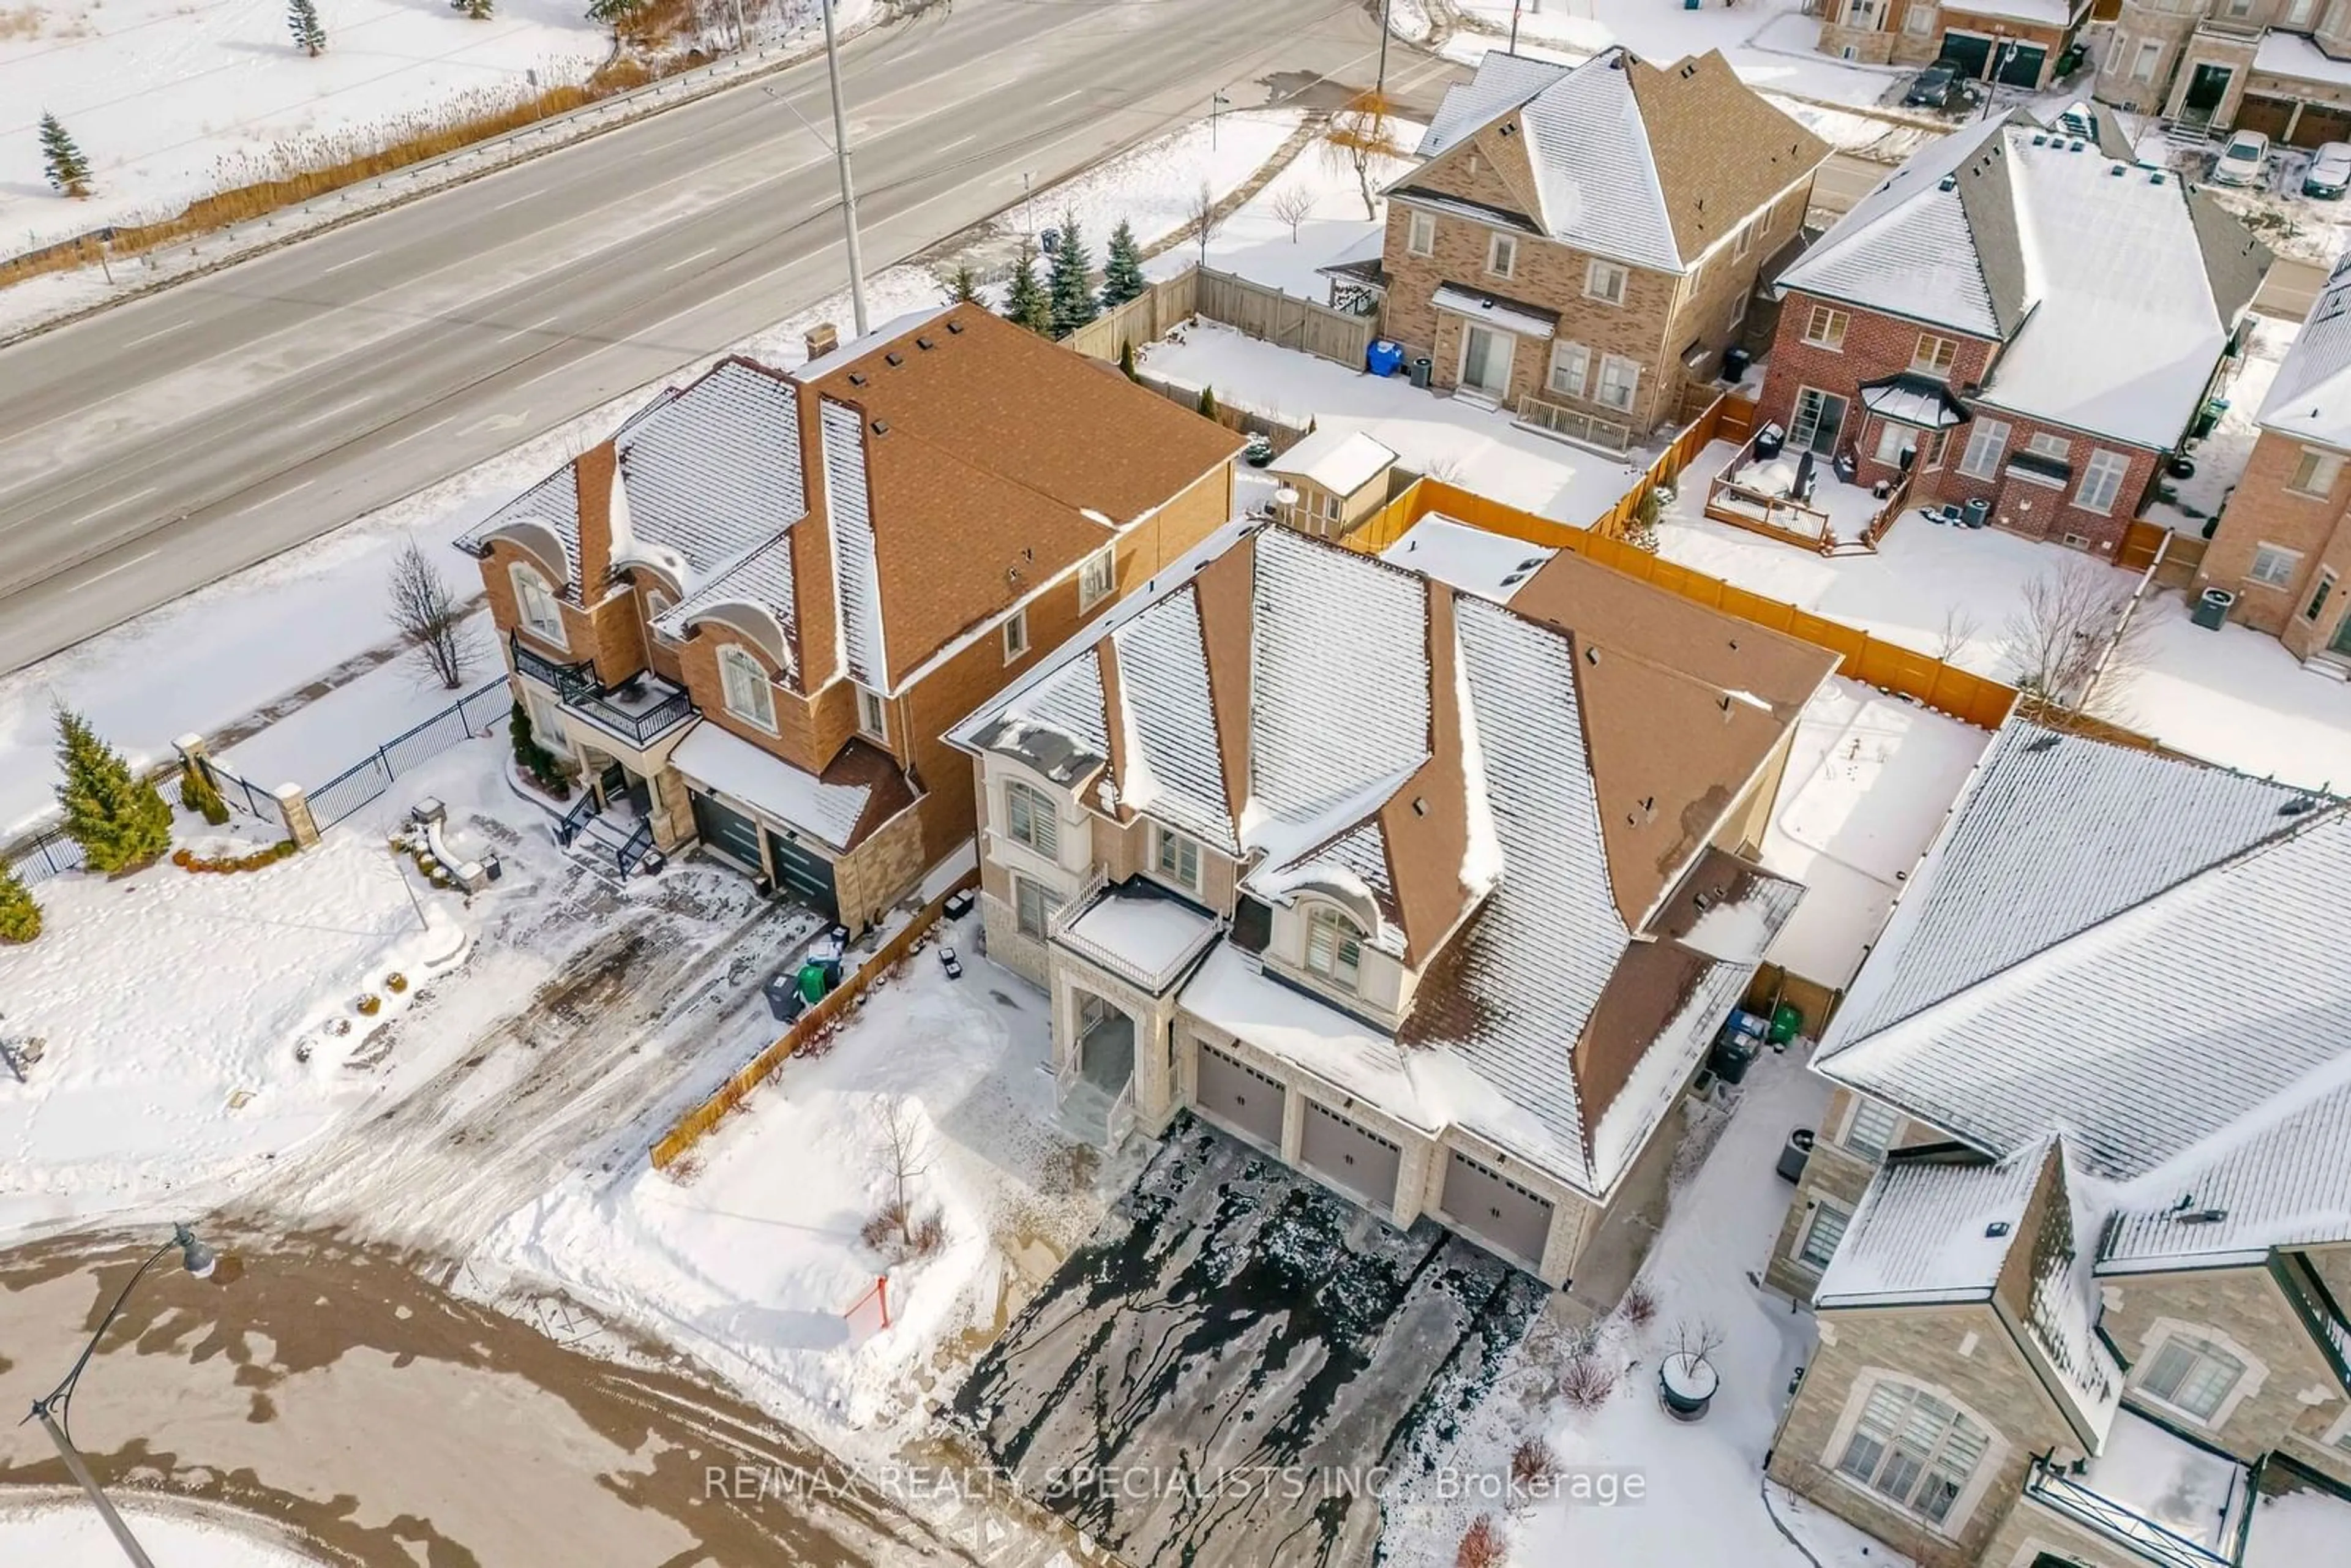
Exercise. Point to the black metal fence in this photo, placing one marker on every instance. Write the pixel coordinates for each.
(240, 794)
(47, 854)
(473, 713)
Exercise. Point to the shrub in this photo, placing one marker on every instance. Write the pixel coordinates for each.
(929, 1236)
(1126, 361)
(116, 816)
(188, 860)
(881, 1228)
(370, 1005)
(1531, 1466)
(1587, 1383)
(20, 918)
(1208, 404)
(395, 982)
(1640, 1305)
(198, 793)
(533, 759)
(1481, 1545)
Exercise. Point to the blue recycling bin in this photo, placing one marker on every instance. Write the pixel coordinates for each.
(1385, 357)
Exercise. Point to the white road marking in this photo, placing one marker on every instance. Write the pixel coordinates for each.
(354, 262)
(327, 414)
(517, 201)
(298, 489)
(126, 566)
(959, 141)
(158, 332)
(684, 261)
(535, 326)
(101, 511)
(415, 435)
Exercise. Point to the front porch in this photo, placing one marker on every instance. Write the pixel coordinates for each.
(1117, 955)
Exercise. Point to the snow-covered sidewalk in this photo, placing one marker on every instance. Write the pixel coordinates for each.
(65, 1531)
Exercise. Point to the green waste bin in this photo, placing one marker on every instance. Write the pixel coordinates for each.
(812, 986)
(1787, 1023)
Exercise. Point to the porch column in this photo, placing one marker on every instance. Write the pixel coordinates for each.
(2292, 120)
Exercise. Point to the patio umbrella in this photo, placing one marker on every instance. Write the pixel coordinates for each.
(1802, 490)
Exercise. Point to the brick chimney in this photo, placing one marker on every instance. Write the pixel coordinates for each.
(822, 339)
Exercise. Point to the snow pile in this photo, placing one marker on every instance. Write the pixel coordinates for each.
(171, 1006)
(68, 1533)
(163, 98)
(749, 1256)
(318, 740)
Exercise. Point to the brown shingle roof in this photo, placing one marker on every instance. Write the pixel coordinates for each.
(1721, 151)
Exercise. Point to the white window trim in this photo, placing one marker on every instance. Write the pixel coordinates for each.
(1597, 269)
(1834, 345)
(2313, 604)
(1804, 1234)
(1107, 559)
(1415, 225)
(1991, 470)
(1631, 388)
(2333, 474)
(1318, 912)
(1046, 904)
(1582, 370)
(733, 657)
(1015, 633)
(1044, 807)
(872, 715)
(1852, 1119)
(1996, 1448)
(1922, 363)
(1165, 838)
(522, 572)
(2293, 558)
(2162, 1331)
(1504, 249)
(551, 735)
(2092, 469)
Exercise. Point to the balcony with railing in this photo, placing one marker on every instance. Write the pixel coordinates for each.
(561, 679)
(1134, 931)
(1558, 419)
(2165, 1500)
(637, 711)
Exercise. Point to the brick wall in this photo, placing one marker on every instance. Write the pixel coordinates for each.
(798, 738)
(878, 872)
(2246, 1305)
(2263, 511)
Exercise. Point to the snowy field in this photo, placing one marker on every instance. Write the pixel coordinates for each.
(165, 97)
(1869, 782)
(1258, 243)
(317, 740)
(68, 1533)
(1481, 449)
(1151, 186)
(749, 1254)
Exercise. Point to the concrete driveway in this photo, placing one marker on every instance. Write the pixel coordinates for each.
(1225, 1371)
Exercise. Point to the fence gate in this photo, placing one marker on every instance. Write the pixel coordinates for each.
(370, 776)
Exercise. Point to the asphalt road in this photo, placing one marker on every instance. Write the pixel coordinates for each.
(176, 439)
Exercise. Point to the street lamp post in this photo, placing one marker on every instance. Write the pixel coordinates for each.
(198, 1260)
(848, 189)
(1380, 84)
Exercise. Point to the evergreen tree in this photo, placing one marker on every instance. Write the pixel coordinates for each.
(68, 171)
(201, 795)
(472, 10)
(612, 13)
(302, 21)
(1208, 404)
(1122, 276)
(965, 285)
(1126, 360)
(116, 819)
(20, 918)
(1073, 296)
(1025, 299)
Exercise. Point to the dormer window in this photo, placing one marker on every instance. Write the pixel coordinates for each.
(1335, 948)
(1030, 818)
(1179, 860)
(535, 602)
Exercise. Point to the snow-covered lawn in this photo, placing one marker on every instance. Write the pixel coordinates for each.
(1152, 187)
(2221, 458)
(319, 739)
(1700, 1485)
(67, 1533)
(165, 97)
(1478, 448)
(1257, 244)
(748, 1255)
(1868, 783)
(171, 1005)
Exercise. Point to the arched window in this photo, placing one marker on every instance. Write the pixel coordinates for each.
(748, 692)
(1913, 1449)
(535, 601)
(657, 604)
(1335, 948)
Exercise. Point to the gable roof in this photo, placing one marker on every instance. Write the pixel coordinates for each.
(1649, 165)
(2134, 947)
(1428, 760)
(2114, 286)
(2310, 397)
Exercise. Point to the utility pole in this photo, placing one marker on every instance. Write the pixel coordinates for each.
(1514, 26)
(848, 189)
(76, 1467)
(1216, 100)
(1380, 85)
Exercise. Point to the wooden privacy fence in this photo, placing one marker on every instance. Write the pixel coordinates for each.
(673, 1145)
(1253, 309)
(2179, 556)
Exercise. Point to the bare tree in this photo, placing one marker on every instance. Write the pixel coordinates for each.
(1201, 218)
(1361, 135)
(2073, 640)
(903, 1145)
(1959, 631)
(430, 618)
(1292, 205)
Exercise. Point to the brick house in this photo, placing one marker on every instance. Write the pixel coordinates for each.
(2076, 1227)
(2279, 66)
(2282, 545)
(747, 617)
(1438, 898)
(1579, 243)
(2024, 316)
(2017, 43)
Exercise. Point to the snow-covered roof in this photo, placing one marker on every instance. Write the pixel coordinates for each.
(1932, 1231)
(1491, 566)
(770, 786)
(2114, 286)
(2194, 1493)
(1340, 461)
(2139, 950)
(1363, 733)
(2310, 396)
(1144, 932)
(1650, 165)
(2294, 55)
(1526, 320)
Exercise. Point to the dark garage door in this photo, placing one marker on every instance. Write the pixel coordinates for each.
(1240, 1096)
(1966, 52)
(726, 830)
(1353, 1158)
(2022, 68)
(1494, 1209)
(806, 875)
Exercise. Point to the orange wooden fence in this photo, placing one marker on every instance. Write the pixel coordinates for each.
(672, 1145)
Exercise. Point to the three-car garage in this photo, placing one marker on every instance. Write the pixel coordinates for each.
(1349, 1157)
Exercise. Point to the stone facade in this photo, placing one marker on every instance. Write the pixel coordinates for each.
(2266, 510)
(2243, 1311)
(1837, 1175)
(2194, 60)
(1914, 32)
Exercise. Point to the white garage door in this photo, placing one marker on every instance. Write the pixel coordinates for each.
(1494, 1209)
(1240, 1096)
(1353, 1158)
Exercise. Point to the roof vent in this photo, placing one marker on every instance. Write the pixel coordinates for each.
(2118, 170)
(2155, 177)
(2041, 139)
(894, 359)
(2074, 146)
(955, 327)
(2202, 1217)
(1689, 69)
(2297, 806)
(1420, 805)
(1947, 182)
(2041, 743)
(880, 427)
(857, 378)
(1997, 1229)
(927, 344)
(1531, 562)
(1508, 128)
(1591, 654)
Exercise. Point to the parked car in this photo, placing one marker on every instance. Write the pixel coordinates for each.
(2329, 175)
(2242, 160)
(1938, 87)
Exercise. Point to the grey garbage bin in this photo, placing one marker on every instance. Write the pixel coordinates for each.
(1423, 370)
(2212, 607)
(784, 1000)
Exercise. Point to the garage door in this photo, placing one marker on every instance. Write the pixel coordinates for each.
(1240, 1096)
(805, 875)
(1494, 1209)
(1350, 1157)
(2270, 116)
(727, 830)
(1966, 52)
(2022, 68)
